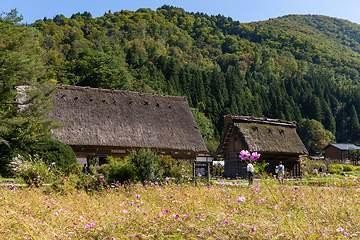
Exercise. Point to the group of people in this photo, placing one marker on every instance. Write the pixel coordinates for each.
(279, 171)
(320, 171)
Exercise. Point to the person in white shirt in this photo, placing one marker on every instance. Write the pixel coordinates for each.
(250, 169)
(280, 170)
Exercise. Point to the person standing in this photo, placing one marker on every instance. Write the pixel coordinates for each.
(250, 169)
(320, 171)
(280, 171)
(84, 170)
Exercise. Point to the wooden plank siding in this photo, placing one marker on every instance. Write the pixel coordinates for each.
(276, 140)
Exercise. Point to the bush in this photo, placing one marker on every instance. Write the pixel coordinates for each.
(177, 169)
(147, 164)
(34, 171)
(218, 170)
(348, 168)
(74, 168)
(307, 167)
(54, 151)
(119, 170)
(335, 168)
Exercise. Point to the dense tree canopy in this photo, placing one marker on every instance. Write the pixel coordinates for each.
(294, 67)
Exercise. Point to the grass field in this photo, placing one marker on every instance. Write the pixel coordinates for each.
(265, 210)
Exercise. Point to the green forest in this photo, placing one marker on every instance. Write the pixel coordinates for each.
(302, 68)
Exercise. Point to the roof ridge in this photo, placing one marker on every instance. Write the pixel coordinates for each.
(87, 88)
(259, 119)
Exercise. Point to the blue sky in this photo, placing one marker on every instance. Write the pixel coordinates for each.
(240, 10)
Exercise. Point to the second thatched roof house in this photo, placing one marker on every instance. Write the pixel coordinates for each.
(275, 139)
(99, 123)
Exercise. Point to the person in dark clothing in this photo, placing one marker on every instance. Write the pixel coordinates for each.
(320, 171)
(84, 170)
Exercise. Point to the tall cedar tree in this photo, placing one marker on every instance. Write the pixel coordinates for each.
(353, 127)
(24, 100)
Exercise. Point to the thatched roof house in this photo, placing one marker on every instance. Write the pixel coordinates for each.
(100, 122)
(275, 139)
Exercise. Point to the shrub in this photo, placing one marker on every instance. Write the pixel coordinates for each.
(336, 168)
(218, 170)
(348, 168)
(33, 171)
(176, 169)
(181, 171)
(74, 168)
(54, 151)
(146, 163)
(308, 166)
(119, 170)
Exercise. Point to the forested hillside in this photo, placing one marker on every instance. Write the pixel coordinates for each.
(302, 68)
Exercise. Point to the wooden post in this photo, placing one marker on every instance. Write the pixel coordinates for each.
(208, 175)
(194, 171)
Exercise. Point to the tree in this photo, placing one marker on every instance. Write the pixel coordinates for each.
(329, 120)
(206, 129)
(314, 136)
(353, 125)
(24, 98)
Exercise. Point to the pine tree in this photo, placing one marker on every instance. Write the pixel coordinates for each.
(23, 98)
(329, 120)
(353, 125)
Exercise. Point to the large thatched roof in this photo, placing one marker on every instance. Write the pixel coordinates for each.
(264, 135)
(99, 117)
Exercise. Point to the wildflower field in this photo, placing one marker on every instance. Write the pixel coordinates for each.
(264, 210)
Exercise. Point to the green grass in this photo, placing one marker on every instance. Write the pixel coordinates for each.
(265, 210)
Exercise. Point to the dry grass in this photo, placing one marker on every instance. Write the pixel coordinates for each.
(262, 211)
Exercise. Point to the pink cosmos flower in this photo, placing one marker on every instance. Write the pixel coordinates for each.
(240, 199)
(340, 229)
(244, 154)
(254, 156)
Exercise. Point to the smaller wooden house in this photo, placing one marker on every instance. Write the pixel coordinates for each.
(339, 151)
(275, 139)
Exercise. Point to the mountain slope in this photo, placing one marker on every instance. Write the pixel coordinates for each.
(293, 67)
(333, 34)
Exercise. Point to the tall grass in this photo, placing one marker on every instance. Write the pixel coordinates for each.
(265, 210)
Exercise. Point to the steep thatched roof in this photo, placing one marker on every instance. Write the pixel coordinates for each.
(99, 117)
(264, 135)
